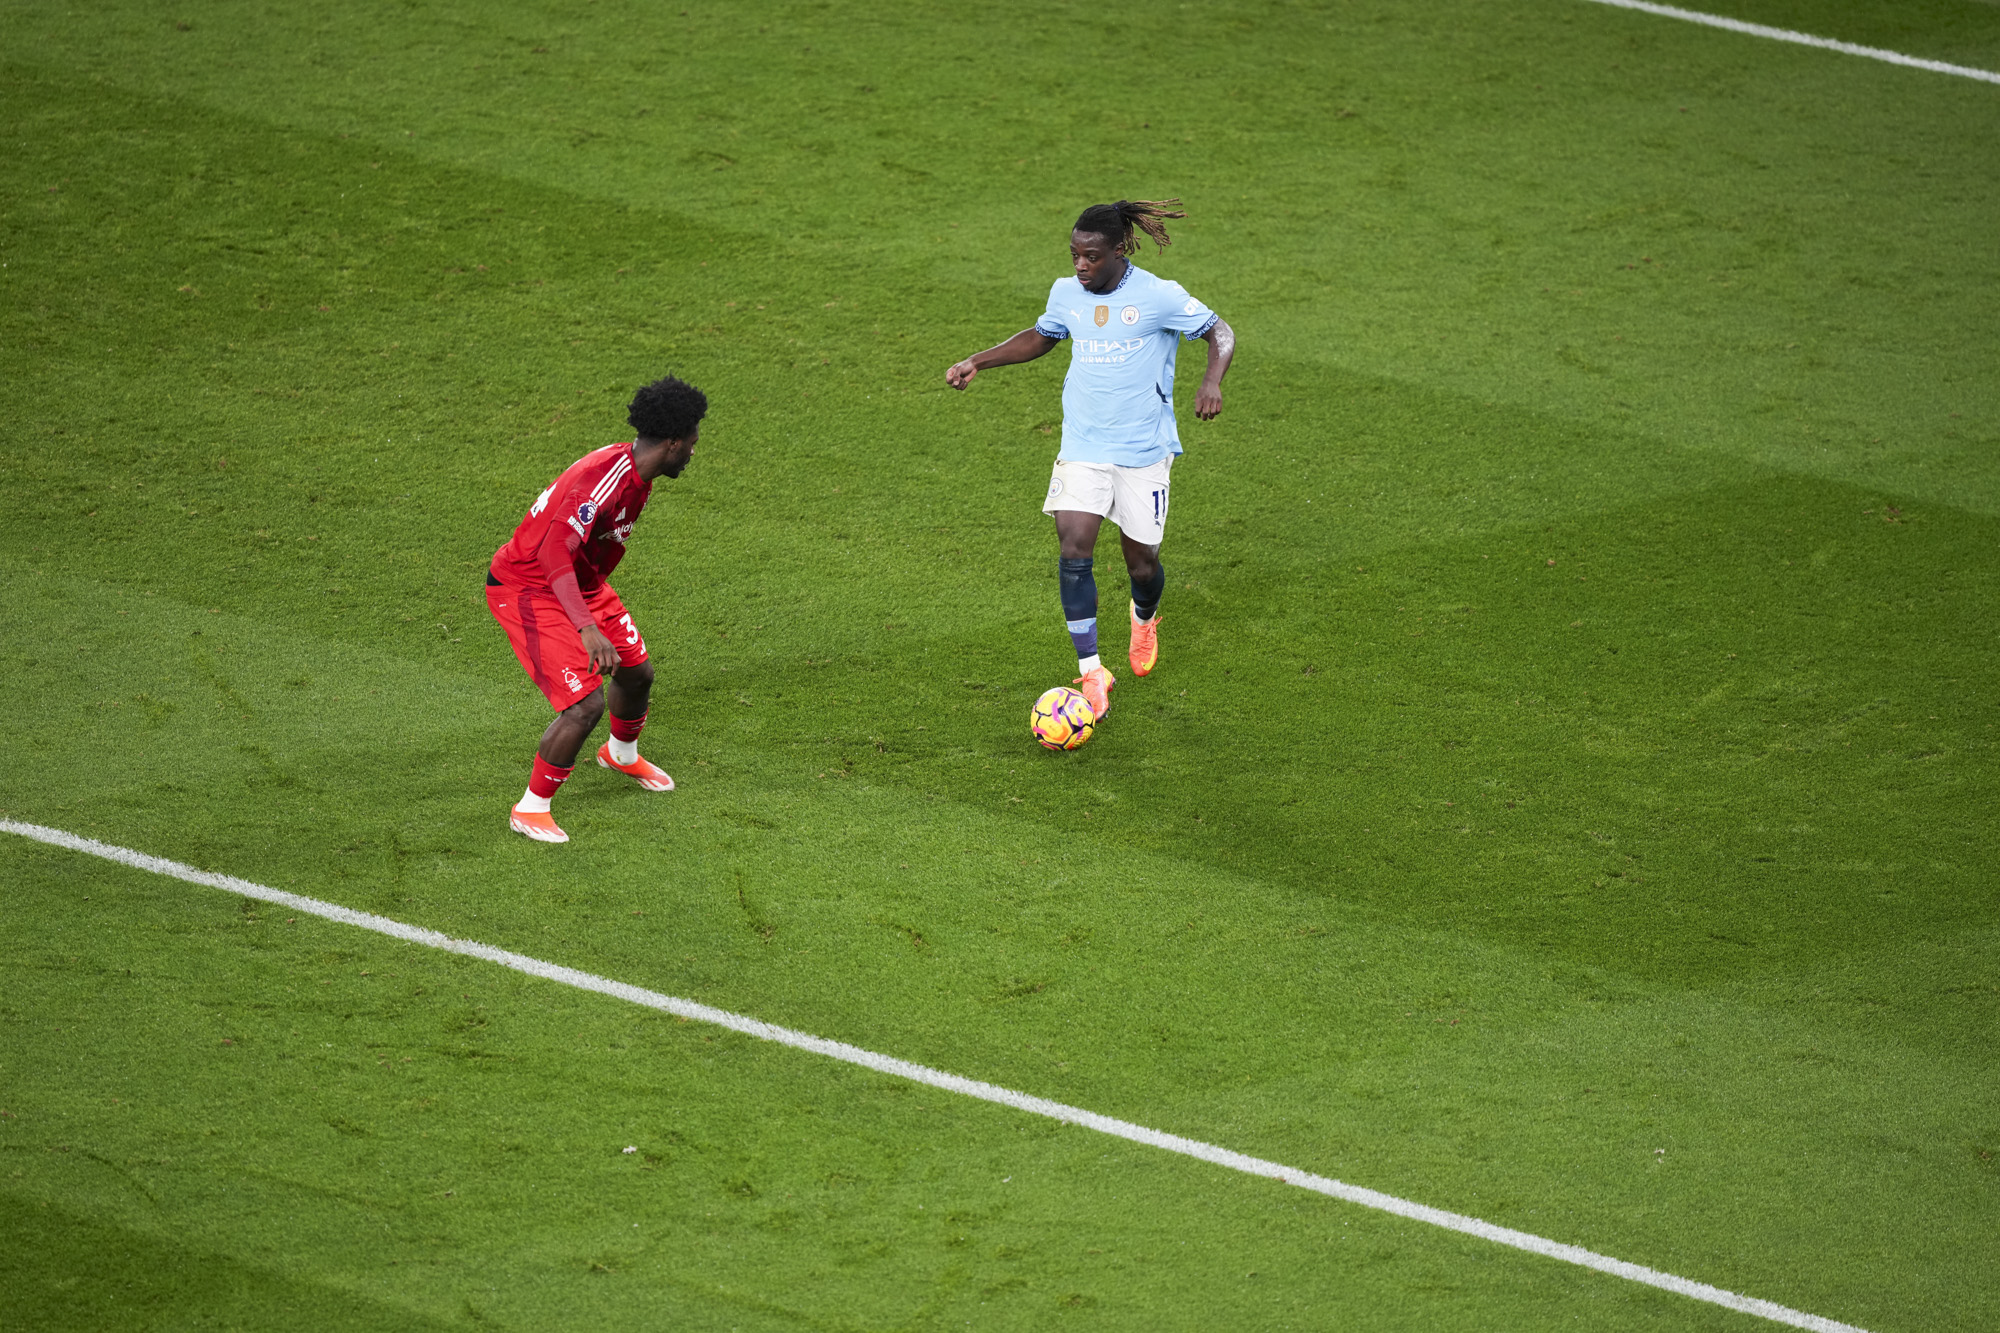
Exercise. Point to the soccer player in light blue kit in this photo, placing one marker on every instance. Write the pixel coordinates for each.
(1119, 440)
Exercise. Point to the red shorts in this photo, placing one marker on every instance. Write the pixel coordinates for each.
(549, 647)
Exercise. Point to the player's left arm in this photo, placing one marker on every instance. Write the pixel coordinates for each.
(1221, 340)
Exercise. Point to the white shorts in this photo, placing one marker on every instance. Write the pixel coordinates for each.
(1135, 498)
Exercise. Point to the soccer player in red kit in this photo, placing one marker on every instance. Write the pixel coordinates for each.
(547, 588)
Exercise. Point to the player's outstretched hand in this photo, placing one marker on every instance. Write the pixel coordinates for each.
(961, 374)
(603, 657)
(1208, 403)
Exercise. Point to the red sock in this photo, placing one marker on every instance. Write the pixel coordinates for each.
(546, 778)
(627, 728)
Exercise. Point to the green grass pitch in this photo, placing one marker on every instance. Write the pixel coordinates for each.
(1566, 797)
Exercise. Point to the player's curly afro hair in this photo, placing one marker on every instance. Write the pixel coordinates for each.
(1116, 221)
(667, 409)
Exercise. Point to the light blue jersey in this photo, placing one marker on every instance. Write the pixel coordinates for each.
(1118, 398)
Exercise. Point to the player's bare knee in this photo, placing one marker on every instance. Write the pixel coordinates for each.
(586, 711)
(1075, 544)
(637, 677)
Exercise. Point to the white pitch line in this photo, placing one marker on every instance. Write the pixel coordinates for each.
(936, 1078)
(1804, 39)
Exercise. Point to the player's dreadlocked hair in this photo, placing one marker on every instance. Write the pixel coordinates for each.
(1117, 221)
(667, 409)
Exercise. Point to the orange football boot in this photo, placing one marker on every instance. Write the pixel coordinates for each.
(648, 775)
(537, 824)
(1096, 687)
(1145, 653)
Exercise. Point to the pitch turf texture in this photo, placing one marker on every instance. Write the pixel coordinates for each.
(1566, 796)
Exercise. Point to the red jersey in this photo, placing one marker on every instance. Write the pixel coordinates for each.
(575, 532)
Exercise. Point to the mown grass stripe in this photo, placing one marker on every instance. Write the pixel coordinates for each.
(936, 1078)
(1803, 39)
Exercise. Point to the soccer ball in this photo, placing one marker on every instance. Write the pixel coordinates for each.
(1061, 719)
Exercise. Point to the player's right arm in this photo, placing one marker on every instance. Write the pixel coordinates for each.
(557, 557)
(1026, 345)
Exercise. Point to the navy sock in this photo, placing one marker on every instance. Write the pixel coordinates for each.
(1146, 596)
(1079, 601)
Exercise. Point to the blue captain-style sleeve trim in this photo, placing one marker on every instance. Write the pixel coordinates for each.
(1058, 332)
(1202, 332)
